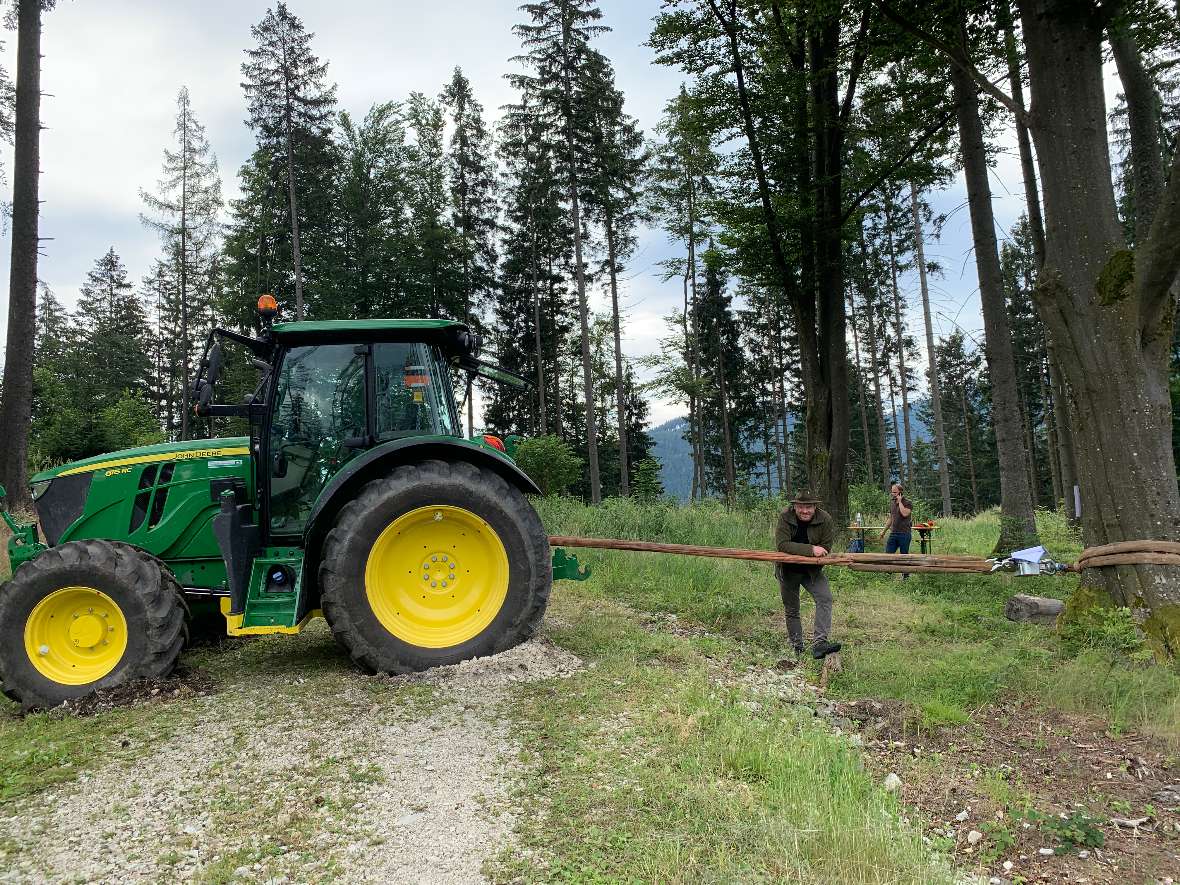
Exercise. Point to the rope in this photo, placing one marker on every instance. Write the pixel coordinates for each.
(1129, 553)
(1122, 553)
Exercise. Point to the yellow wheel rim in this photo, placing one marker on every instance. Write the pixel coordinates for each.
(437, 576)
(76, 635)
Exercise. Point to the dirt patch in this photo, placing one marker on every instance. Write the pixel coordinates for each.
(183, 683)
(1034, 795)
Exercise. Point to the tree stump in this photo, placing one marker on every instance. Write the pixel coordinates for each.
(1033, 609)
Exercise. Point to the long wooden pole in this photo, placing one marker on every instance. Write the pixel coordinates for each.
(859, 561)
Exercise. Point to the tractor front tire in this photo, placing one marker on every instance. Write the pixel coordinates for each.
(84, 616)
(436, 563)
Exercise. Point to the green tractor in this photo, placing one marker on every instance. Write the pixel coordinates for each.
(354, 497)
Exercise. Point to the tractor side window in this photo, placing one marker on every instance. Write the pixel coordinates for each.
(411, 398)
(320, 404)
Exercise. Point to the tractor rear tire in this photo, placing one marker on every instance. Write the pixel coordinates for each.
(436, 563)
(84, 616)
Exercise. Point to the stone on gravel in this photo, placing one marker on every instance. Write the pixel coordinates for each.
(974, 837)
(1046, 852)
(892, 782)
(961, 816)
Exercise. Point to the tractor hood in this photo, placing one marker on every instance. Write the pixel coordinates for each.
(178, 451)
(158, 498)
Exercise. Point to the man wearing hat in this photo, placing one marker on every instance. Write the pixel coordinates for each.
(805, 530)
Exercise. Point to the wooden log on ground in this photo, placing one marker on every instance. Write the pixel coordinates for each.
(884, 562)
(1033, 609)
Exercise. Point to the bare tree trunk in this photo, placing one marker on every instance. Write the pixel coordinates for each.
(580, 274)
(944, 472)
(537, 342)
(899, 331)
(1051, 434)
(1017, 523)
(185, 345)
(1109, 314)
(864, 413)
(17, 406)
(901, 474)
(726, 439)
(1062, 437)
(620, 393)
(970, 455)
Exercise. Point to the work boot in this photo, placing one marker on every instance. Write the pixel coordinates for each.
(823, 648)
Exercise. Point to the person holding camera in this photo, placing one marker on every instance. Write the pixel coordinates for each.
(900, 526)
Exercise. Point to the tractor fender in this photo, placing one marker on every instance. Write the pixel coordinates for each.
(378, 461)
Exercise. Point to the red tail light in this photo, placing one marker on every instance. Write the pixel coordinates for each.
(495, 442)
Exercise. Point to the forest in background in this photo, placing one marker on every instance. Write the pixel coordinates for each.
(792, 170)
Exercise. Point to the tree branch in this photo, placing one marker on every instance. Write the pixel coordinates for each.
(933, 129)
(956, 57)
(1157, 259)
(859, 51)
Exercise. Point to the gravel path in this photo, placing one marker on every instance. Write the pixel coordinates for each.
(332, 776)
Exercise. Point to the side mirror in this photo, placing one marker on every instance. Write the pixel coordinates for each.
(279, 468)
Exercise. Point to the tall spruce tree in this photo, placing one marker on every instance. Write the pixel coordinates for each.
(557, 56)
(291, 110)
(17, 402)
(471, 171)
(185, 211)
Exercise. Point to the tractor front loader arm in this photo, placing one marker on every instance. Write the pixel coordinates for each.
(24, 544)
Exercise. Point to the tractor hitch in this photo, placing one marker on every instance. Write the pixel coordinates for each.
(23, 545)
(567, 568)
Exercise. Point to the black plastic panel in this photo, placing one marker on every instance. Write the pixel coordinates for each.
(62, 503)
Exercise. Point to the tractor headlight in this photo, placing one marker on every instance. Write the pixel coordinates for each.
(39, 488)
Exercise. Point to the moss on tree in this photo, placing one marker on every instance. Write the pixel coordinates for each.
(1117, 279)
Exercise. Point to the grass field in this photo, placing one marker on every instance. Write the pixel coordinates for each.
(678, 753)
(940, 642)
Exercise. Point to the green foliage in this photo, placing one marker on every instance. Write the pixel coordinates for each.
(647, 486)
(550, 462)
(1072, 830)
(871, 501)
(129, 422)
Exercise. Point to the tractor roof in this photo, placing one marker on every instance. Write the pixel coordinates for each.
(315, 331)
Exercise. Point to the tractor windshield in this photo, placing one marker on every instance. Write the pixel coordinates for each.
(320, 420)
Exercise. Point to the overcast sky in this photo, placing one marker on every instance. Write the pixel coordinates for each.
(113, 70)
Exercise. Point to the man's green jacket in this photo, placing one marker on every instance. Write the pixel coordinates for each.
(821, 532)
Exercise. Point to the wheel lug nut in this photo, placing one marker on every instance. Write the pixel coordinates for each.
(444, 583)
(434, 559)
(451, 576)
(43, 650)
(434, 583)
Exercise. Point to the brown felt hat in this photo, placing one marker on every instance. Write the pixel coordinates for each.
(804, 496)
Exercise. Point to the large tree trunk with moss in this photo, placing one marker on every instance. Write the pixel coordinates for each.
(1017, 523)
(1109, 314)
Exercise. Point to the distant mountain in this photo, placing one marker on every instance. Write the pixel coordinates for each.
(675, 457)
